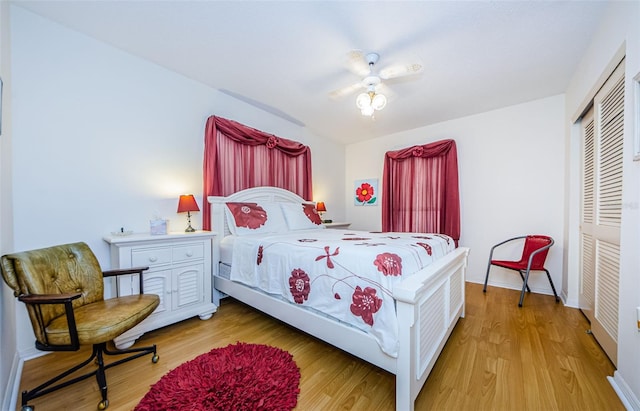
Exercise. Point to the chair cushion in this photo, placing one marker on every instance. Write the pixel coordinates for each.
(104, 320)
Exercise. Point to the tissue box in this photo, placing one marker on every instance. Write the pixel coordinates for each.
(158, 227)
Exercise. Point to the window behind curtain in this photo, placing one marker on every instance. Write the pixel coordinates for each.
(420, 186)
(238, 157)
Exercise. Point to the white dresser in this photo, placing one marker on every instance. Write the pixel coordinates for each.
(179, 272)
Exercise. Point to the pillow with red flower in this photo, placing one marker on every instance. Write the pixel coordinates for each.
(253, 218)
(301, 216)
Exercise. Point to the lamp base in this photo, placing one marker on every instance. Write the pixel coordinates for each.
(189, 228)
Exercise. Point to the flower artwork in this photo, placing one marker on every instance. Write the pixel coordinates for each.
(366, 192)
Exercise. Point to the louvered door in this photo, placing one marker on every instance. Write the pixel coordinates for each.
(603, 132)
(588, 277)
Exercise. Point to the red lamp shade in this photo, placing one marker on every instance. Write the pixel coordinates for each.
(320, 207)
(187, 203)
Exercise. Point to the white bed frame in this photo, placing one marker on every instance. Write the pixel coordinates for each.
(428, 304)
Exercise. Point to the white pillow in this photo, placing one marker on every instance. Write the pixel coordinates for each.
(252, 218)
(301, 216)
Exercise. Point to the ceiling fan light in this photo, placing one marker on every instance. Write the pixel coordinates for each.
(379, 101)
(363, 100)
(367, 111)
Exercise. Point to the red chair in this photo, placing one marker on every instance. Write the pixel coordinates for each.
(534, 254)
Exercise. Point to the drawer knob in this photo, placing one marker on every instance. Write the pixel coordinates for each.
(153, 259)
(189, 253)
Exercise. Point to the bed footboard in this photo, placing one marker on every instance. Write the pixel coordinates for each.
(428, 305)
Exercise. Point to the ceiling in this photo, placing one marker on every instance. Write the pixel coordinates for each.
(287, 56)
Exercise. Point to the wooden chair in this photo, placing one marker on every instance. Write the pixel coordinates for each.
(534, 254)
(62, 287)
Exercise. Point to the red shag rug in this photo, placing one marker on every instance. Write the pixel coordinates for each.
(237, 377)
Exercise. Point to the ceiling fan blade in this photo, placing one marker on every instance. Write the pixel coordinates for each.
(357, 63)
(400, 70)
(344, 91)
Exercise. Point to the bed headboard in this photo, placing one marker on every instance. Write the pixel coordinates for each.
(256, 194)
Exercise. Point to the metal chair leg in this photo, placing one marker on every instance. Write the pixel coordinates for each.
(524, 287)
(486, 278)
(522, 276)
(552, 287)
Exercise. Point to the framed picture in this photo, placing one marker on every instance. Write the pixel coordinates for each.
(366, 192)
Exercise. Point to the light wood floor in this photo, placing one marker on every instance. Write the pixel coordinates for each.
(499, 357)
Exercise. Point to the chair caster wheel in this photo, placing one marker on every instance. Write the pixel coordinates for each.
(155, 358)
(102, 405)
(27, 408)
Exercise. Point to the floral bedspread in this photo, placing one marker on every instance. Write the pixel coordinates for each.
(348, 275)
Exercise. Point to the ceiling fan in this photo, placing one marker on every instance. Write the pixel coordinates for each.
(372, 99)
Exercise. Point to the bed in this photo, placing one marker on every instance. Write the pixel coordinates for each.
(426, 304)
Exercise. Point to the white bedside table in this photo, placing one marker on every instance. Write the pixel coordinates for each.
(179, 272)
(337, 225)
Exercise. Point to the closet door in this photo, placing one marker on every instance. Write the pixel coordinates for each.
(603, 132)
(587, 265)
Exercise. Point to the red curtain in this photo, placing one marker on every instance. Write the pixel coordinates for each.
(420, 186)
(237, 157)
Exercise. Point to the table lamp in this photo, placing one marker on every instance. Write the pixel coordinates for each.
(187, 203)
(321, 209)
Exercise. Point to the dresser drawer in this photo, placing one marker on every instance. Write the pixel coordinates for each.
(188, 252)
(151, 256)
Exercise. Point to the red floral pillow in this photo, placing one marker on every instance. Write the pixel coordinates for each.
(250, 218)
(301, 216)
(311, 213)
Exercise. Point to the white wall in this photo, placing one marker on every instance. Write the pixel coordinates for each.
(104, 140)
(511, 163)
(619, 28)
(8, 357)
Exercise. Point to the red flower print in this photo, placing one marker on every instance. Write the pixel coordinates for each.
(299, 285)
(249, 215)
(389, 264)
(328, 256)
(364, 192)
(272, 142)
(417, 151)
(260, 253)
(426, 247)
(311, 213)
(365, 303)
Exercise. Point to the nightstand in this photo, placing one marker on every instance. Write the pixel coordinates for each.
(337, 225)
(179, 273)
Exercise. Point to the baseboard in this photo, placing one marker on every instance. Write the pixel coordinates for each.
(628, 398)
(13, 384)
(567, 302)
(12, 390)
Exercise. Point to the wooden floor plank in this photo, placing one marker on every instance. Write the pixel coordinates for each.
(499, 357)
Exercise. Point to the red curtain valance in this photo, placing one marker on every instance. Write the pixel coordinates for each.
(250, 136)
